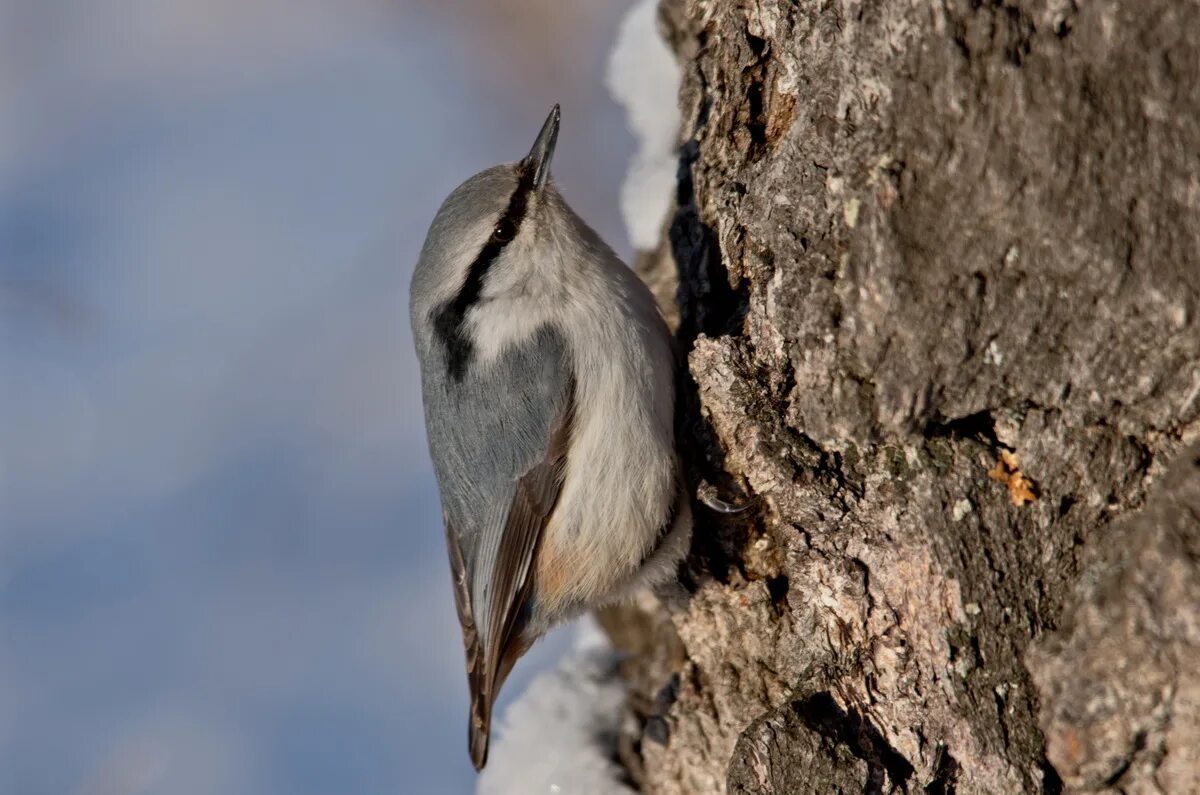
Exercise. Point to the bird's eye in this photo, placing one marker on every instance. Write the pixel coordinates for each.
(504, 231)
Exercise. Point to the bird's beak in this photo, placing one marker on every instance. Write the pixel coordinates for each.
(540, 155)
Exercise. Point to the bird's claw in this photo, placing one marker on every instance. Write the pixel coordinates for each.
(706, 493)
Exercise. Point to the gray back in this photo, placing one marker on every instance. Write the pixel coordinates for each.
(485, 432)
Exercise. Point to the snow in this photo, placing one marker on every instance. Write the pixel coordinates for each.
(558, 737)
(643, 78)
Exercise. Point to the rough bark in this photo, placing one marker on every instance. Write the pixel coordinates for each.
(938, 284)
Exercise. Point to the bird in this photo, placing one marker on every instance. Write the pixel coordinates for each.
(548, 385)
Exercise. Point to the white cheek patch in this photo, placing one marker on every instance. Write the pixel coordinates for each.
(520, 295)
(500, 323)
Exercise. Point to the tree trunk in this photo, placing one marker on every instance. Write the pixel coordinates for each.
(938, 284)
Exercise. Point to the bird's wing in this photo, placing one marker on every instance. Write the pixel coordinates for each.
(498, 439)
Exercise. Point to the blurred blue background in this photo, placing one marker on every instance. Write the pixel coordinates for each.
(221, 561)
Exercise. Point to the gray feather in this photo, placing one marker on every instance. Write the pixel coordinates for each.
(486, 433)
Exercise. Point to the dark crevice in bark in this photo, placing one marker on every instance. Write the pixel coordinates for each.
(708, 303)
(777, 587)
(945, 773)
(1051, 782)
(980, 426)
(823, 715)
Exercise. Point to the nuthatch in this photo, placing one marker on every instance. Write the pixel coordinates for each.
(548, 381)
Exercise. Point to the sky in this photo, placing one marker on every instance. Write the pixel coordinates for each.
(221, 559)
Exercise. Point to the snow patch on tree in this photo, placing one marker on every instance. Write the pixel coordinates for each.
(560, 735)
(644, 79)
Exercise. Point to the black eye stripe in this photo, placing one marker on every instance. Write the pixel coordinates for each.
(449, 318)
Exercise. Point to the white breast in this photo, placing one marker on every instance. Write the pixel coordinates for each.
(621, 471)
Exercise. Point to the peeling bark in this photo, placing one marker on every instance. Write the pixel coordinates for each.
(938, 277)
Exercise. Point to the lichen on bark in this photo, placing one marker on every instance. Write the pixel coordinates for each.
(938, 282)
